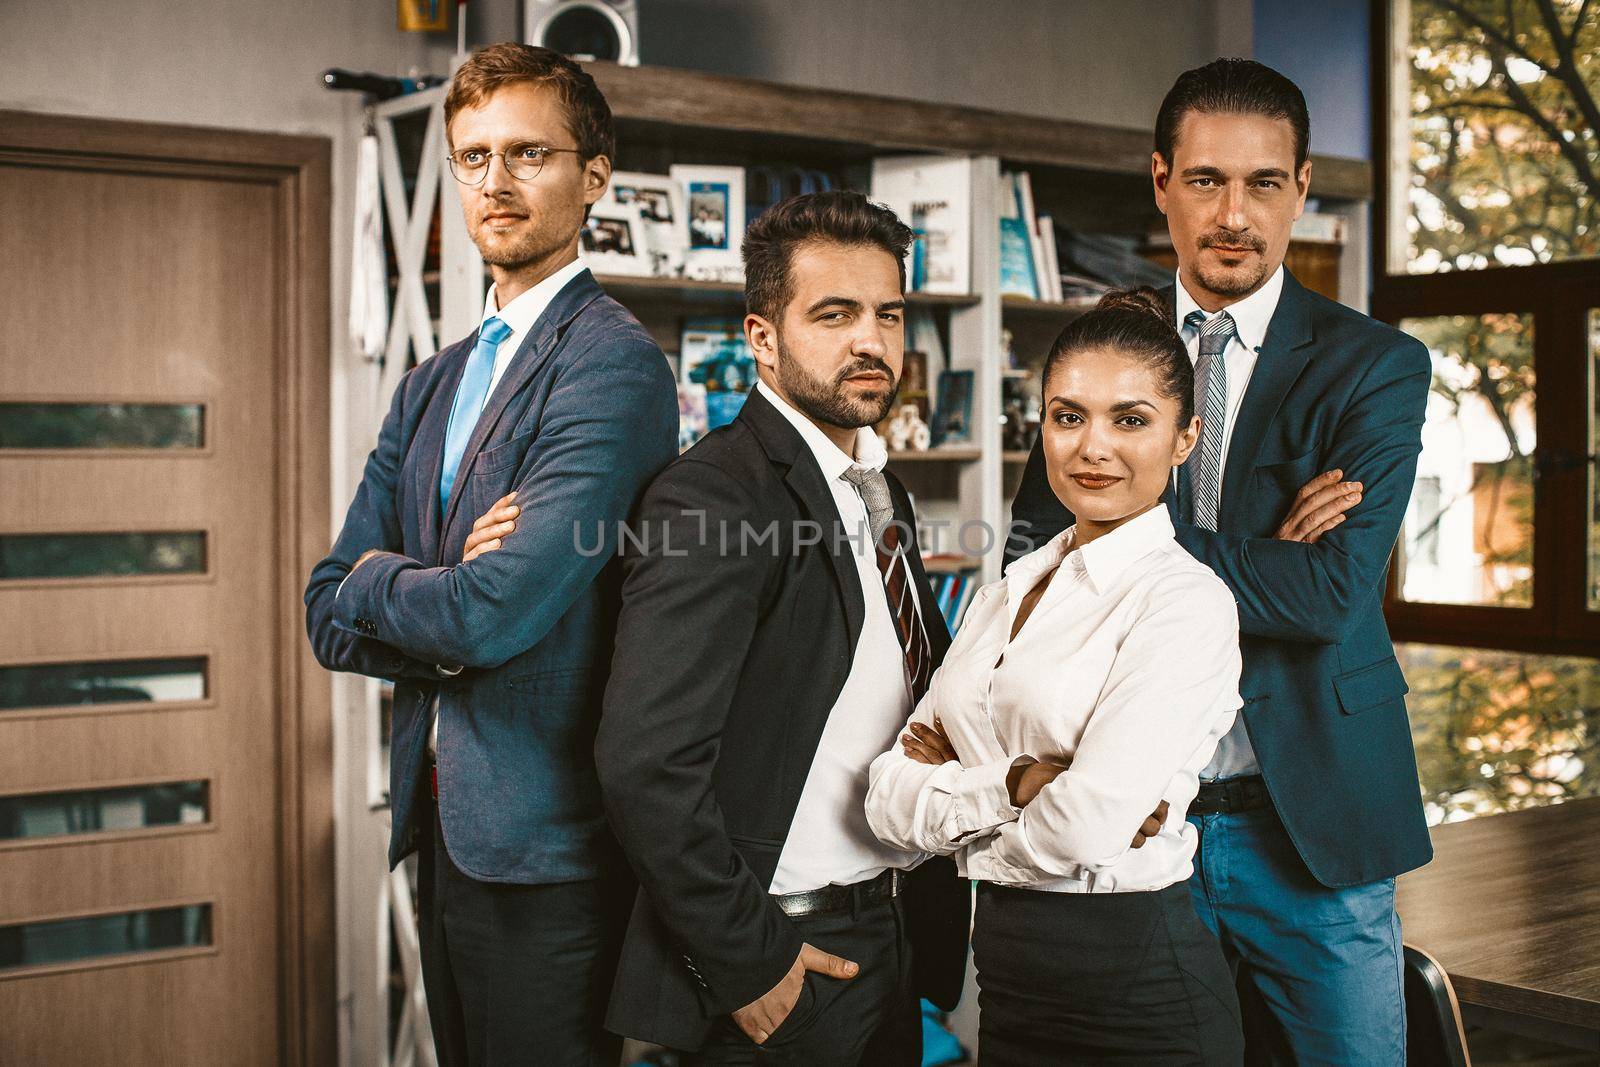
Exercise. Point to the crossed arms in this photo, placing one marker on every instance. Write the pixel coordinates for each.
(595, 450)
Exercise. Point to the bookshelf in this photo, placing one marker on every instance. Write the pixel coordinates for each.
(1089, 177)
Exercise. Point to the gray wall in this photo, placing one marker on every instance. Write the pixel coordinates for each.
(1107, 61)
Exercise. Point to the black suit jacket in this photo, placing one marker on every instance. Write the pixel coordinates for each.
(741, 611)
(1324, 698)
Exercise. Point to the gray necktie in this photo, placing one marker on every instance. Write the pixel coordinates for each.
(875, 494)
(1211, 388)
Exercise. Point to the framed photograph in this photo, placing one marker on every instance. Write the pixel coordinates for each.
(614, 241)
(952, 412)
(715, 205)
(660, 201)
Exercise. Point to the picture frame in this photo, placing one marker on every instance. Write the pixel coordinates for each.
(714, 206)
(952, 412)
(614, 240)
(660, 199)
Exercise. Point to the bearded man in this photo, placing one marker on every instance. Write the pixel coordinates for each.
(776, 630)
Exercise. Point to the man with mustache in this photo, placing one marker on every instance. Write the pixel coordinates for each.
(776, 630)
(495, 627)
(1310, 808)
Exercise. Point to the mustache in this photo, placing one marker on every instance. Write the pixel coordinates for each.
(503, 204)
(1232, 240)
(862, 366)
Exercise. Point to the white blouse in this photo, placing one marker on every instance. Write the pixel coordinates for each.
(1128, 667)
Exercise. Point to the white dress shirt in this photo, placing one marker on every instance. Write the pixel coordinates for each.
(1128, 667)
(829, 842)
(1251, 316)
(520, 315)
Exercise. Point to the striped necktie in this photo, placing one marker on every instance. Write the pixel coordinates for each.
(895, 571)
(470, 397)
(1211, 384)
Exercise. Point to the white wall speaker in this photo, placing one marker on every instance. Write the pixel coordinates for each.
(585, 29)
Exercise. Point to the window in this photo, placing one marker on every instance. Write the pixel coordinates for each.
(1488, 179)
(1501, 160)
(1469, 536)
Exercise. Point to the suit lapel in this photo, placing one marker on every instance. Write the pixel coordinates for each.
(783, 444)
(430, 438)
(531, 356)
(1284, 355)
(1178, 483)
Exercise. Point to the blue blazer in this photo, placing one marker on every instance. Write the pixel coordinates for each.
(1324, 698)
(584, 417)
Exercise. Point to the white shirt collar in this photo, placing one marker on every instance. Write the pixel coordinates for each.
(525, 310)
(870, 452)
(1251, 316)
(1104, 559)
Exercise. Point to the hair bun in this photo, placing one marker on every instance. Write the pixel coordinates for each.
(1143, 299)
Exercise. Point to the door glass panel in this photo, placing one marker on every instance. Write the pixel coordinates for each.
(1468, 534)
(75, 555)
(60, 425)
(87, 811)
(1500, 731)
(50, 685)
(36, 944)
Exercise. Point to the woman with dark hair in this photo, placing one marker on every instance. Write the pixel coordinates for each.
(1086, 689)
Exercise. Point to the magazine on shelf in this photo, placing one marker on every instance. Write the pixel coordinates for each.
(932, 195)
(1017, 276)
(715, 374)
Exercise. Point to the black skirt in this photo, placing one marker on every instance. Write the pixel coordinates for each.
(1100, 978)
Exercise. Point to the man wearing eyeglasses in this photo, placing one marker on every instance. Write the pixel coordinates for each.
(475, 569)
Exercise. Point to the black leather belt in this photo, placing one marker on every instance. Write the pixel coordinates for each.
(1231, 796)
(886, 886)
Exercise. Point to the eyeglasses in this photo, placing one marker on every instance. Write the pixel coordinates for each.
(523, 162)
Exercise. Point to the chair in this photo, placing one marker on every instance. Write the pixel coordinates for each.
(1434, 1032)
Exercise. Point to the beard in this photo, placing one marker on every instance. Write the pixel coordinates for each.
(1238, 281)
(825, 400)
(529, 243)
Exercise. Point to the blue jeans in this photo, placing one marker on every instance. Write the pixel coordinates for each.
(1326, 964)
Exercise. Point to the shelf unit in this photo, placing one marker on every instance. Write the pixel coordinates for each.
(1089, 177)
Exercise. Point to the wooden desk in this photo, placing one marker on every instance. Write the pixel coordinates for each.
(1510, 906)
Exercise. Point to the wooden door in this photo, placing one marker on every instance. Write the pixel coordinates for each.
(165, 793)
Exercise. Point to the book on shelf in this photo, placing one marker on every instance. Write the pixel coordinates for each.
(932, 195)
(1110, 259)
(953, 588)
(1026, 237)
(1052, 270)
(1016, 259)
(1082, 287)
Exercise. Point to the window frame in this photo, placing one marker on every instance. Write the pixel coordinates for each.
(1558, 296)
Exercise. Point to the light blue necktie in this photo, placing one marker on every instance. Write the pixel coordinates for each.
(1211, 389)
(470, 397)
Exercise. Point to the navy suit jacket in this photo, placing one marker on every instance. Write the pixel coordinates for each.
(584, 416)
(1323, 694)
